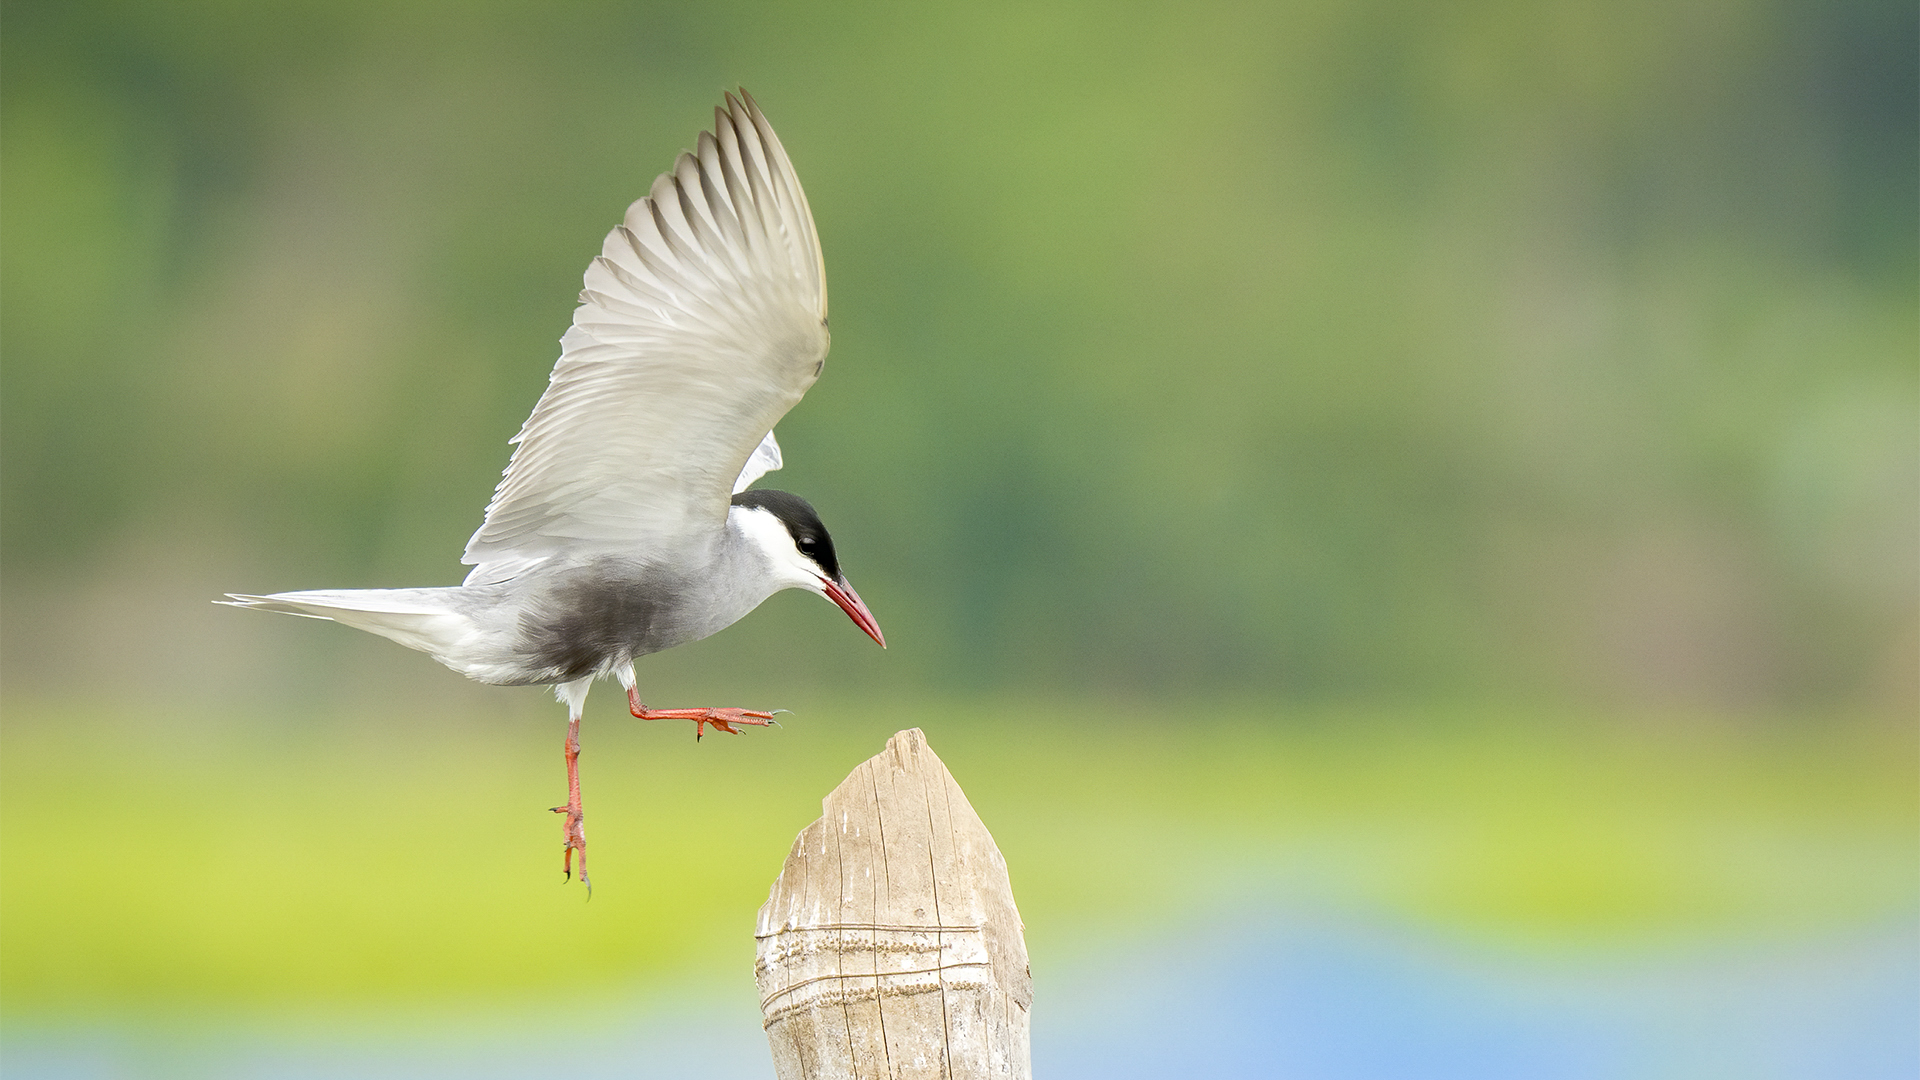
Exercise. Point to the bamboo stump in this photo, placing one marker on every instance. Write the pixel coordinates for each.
(890, 946)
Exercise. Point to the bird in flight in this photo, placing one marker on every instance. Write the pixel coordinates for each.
(625, 523)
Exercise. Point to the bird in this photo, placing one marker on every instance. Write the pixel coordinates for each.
(626, 522)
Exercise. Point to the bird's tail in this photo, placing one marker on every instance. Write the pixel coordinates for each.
(423, 619)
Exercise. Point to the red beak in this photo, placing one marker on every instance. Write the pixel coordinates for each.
(842, 593)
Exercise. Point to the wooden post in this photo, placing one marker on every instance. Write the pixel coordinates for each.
(890, 946)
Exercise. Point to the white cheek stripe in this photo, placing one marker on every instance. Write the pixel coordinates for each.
(766, 535)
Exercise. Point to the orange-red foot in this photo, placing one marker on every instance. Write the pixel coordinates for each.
(575, 829)
(721, 719)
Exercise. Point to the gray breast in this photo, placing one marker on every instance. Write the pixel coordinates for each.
(600, 614)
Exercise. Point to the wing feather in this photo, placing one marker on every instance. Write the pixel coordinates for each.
(765, 459)
(701, 322)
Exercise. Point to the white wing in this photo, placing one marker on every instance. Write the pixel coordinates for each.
(703, 321)
(765, 459)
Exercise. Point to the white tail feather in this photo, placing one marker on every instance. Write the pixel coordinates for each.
(417, 618)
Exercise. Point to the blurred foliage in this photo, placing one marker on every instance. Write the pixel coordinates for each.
(158, 866)
(1312, 353)
(1374, 348)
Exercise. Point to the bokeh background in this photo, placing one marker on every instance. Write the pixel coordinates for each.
(1404, 518)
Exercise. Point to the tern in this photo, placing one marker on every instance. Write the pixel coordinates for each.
(625, 523)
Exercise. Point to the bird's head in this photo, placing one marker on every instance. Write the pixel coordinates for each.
(800, 553)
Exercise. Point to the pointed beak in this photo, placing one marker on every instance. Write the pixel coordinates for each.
(842, 593)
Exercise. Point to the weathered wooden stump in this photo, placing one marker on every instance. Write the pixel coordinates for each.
(890, 946)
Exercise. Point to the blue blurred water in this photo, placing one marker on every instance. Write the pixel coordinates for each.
(1254, 996)
(1306, 1000)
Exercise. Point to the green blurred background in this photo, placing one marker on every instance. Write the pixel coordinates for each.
(1454, 462)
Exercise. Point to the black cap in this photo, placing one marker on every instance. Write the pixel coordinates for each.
(797, 514)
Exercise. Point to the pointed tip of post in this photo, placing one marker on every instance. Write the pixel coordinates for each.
(908, 745)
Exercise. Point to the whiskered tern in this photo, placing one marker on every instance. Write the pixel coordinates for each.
(625, 523)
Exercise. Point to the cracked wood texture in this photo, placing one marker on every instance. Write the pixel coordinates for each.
(890, 946)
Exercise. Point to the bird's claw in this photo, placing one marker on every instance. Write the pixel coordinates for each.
(724, 719)
(575, 832)
(720, 719)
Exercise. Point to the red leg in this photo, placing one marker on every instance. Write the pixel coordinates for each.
(721, 719)
(575, 830)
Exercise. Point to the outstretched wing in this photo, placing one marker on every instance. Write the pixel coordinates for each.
(703, 320)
